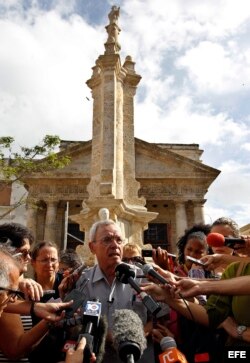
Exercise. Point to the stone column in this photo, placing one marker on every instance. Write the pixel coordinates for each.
(50, 222)
(199, 212)
(84, 250)
(181, 219)
(32, 218)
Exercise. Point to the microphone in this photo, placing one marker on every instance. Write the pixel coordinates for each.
(170, 352)
(218, 240)
(126, 274)
(90, 322)
(128, 334)
(100, 339)
(149, 270)
(93, 327)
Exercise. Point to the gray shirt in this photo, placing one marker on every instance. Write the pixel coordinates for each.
(117, 296)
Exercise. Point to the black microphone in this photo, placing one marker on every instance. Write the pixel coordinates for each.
(128, 334)
(92, 326)
(100, 339)
(218, 240)
(126, 274)
(149, 270)
(90, 321)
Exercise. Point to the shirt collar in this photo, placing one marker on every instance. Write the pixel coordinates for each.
(98, 274)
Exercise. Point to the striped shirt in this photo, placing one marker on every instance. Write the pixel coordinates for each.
(27, 325)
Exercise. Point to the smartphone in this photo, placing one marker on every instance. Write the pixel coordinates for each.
(78, 271)
(194, 260)
(146, 253)
(47, 295)
(78, 299)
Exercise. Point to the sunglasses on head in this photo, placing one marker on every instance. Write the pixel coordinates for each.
(23, 254)
(131, 259)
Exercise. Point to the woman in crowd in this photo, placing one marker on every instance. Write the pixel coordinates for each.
(193, 243)
(131, 253)
(45, 263)
(16, 335)
(69, 260)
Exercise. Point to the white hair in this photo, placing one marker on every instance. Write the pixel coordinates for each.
(7, 262)
(96, 225)
(4, 273)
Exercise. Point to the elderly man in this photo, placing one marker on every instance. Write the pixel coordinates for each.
(106, 243)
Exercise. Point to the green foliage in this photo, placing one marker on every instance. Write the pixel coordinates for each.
(42, 158)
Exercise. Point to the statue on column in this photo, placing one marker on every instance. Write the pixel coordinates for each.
(113, 30)
(114, 15)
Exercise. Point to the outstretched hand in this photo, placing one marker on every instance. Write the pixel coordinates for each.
(51, 311)
(188, 287)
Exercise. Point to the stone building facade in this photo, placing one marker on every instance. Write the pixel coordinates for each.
(154, 191)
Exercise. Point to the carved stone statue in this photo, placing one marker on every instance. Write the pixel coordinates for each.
(114, 15)
(103, 214)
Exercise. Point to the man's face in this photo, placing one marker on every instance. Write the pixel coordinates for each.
(4, 295)
(107, 246)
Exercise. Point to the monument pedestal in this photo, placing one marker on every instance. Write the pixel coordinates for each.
(133, 220)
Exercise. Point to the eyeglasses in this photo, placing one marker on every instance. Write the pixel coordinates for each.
(131, 259)
(12, 294)
(44, 261)
(109, 239)
(24, 254)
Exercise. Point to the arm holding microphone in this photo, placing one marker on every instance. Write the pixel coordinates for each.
(68, 283)
(77, 355)
(241, 244)
(212, 262)
(244, 248)
(217, 308)
(234, 286)
(186, 308)
(52, 312)
(163, 259)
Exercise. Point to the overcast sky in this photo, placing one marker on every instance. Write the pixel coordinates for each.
(194, 59)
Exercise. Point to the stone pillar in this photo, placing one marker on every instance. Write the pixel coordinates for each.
(199, 212)
(50, 222)
(84, 250)
(32, 218)
(131, 185)
(181, 219)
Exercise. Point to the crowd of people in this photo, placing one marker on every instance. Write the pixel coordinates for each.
(203, 305)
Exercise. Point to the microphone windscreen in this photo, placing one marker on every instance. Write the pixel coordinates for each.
(215, 240)
(146, 268)
(128, 327)
(167, 343)
(123, 271)
(101, 333)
